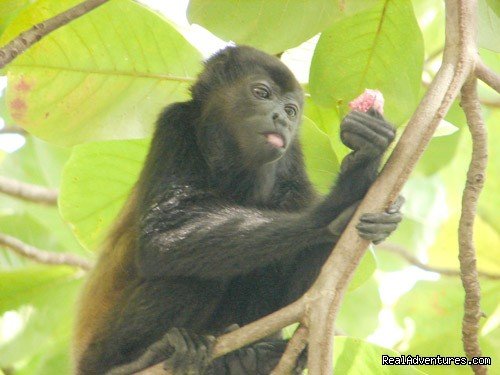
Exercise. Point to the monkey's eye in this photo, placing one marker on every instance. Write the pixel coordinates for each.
(291, 110)
(261, 92)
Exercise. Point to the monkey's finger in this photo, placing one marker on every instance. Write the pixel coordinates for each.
(231, 328)
(379, 125)
(396, 206)
(369, 135)
(374, 113)
(381, 218)
(374, 229)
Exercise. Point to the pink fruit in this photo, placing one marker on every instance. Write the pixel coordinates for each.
(367, 100)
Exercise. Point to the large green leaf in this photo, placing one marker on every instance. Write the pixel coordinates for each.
(105, 75)
(96, 182)
(380, 48)
(489, 24)
(354, 357)
(321, 162)
(355, 321)
(49, 293)
(8, 11)
(40, 163)
(272, 26)
(489, 204)
(435, 310)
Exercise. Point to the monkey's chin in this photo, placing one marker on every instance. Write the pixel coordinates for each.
(273, 153)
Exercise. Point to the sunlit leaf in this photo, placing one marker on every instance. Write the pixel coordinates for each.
(105, 75)
(354, 321)
(489, 24)
(380, 48)
(272, 26)
(353, 356)
(96, 182)
(321, 162)
(435, 309)
(8, 11)
(50, 292)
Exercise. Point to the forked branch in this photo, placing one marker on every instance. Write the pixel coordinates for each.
(26, 39)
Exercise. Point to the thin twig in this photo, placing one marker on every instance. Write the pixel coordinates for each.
(294, 349)
(13, 130)
(413, 260)
(467, 252)
(28, 192)
(26, 39)
(43, 256)
(245, 335)
(487, 75)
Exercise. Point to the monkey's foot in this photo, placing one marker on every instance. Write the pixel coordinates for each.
(258, 359)
(190, 354)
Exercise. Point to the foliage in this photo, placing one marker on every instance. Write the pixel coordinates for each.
(96, 86)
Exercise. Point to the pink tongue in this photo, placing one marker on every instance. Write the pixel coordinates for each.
(275, 140)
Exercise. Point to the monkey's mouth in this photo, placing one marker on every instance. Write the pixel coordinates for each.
(275, 139)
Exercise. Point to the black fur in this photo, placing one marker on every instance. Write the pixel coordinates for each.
(219, 242)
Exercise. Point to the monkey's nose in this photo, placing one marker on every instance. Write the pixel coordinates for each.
(279, 119)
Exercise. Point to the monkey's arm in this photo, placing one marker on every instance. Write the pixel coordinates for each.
(212, 240)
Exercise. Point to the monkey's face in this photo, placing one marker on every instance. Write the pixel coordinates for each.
(261, 117)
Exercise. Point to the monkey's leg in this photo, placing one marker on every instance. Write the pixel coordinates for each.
(183, 353)
(256, 359)
(140, 329)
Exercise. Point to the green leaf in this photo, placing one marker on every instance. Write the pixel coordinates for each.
(365, 270)
(441, 150)
(321, 162)
(489, 202)
(96, 182)
(272, 26)
(489, 25)
(353, 357)
(328, 121)
(50, 294)
(30, 286)
(9, 10)
(380, 48)
(430, 16)
(105, 75)
(435, 311)
(355, 321)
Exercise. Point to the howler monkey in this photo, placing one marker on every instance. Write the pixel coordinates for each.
(223, 226)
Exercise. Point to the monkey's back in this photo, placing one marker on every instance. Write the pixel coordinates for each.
(106, 282)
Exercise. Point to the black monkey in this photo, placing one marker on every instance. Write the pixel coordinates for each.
(223, 226)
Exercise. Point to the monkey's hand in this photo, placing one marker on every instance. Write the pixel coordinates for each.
(367, 134)
(373, 227)
(377, 227)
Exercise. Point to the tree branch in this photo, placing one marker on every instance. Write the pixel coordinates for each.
(339, 268)
(487, 75)
(26, 39)
(413, 260)
(248, 334)
(13, 130)
(28, 192)
(294, 349)
(43, 256)
(467, 252)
